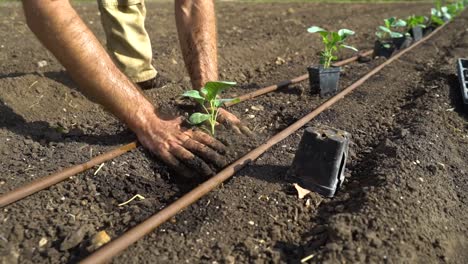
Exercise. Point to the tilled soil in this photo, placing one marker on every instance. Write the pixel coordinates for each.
(404, 199)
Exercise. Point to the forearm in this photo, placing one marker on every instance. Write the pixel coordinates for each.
(59, 28)
(196, 25)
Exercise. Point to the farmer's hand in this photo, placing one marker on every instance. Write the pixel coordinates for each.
(185, 150)
(231, 121)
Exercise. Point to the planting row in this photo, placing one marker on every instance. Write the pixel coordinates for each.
(394, 35)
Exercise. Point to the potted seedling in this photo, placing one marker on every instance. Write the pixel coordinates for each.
(455, 9)
(324, 77)
(388, 39)
(415, 26)
(209, 100)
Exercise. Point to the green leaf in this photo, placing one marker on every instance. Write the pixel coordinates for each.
(315, 29)
(194, 94)
(198, 118)
(396, 35)
(399, 23)
(386, 45)
(214, 88)
(219, 102)
(345, 32)
(385, 29)
(349, 47)
(336, 37)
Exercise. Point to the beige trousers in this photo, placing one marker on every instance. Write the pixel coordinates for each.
(128, 42)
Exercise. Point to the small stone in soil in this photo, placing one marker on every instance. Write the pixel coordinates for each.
(73, 239)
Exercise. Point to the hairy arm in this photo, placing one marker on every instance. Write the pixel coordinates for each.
(196, 26)
(59, 28)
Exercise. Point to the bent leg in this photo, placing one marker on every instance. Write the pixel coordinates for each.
(127, 40)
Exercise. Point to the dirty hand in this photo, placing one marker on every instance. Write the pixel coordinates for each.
(186, 151)
(231, 121)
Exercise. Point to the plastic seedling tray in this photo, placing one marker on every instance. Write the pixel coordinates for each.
(462, 66)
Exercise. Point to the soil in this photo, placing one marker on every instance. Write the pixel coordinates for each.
(404, 199)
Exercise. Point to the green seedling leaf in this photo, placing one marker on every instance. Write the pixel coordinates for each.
(345, 33)
(315, 29)
(332, 42)
(208, 98)
(219, 102)
(349, 47)
(198, 118)
(385, 29)
(399, 23)
(396, 35)
(214, 88)
(193, 94)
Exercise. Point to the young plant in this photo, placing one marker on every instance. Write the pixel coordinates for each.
(210, 102)
(333, 41)
(416, 21)
(455, 9)
(386, 33)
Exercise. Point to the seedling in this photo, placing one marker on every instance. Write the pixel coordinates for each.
(386, 33)
(416, 21)
(333, 41)
(455, 9)
(208, 99)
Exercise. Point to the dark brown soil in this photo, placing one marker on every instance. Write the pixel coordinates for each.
(404, 199)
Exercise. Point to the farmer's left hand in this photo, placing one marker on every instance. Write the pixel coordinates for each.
(231, 121)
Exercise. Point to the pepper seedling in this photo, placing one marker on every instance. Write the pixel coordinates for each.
(385, 33)
(332, 41)
(208, 99)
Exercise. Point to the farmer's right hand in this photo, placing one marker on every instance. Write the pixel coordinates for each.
(187, 151)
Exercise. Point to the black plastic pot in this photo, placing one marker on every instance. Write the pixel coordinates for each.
(320, 160)
(323, 80)
(403, 42)
(428, 30)
(416, 33)
(462, 66)
(381, 51)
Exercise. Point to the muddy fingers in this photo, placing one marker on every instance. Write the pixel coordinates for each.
(191, 161)
(231, 121)
(209, 141)
(205, 152)
(176, 165)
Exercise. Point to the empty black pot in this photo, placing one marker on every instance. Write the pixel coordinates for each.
(384, 49)
(324, 80)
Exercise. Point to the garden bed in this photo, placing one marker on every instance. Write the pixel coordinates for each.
(404, 199)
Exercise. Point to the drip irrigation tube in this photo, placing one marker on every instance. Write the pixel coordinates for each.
(131, 236)
(47, 181)
(301, 78)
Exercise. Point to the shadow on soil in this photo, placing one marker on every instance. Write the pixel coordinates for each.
(57, 76)
(41, 130)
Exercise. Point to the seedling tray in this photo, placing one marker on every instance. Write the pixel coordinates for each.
(462, 66)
